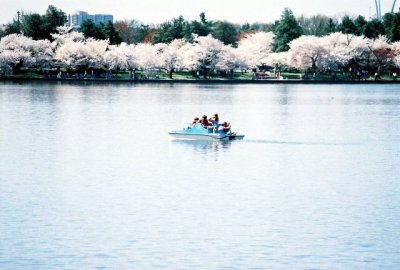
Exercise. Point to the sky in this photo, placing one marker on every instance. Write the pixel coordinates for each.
(156, 11)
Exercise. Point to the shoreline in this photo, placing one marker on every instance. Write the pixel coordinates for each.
(210, 81)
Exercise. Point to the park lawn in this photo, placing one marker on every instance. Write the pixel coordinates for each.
(29, 74)
(187, 75)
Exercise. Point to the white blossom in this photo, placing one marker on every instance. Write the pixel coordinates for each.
(206, 51)
(253, 51)
(396, 48)
(171, 57)
(227, 59)
(307, 52)
(123, 57)
(66, 34)
(85, 54)
(16, 49)
(382, 52)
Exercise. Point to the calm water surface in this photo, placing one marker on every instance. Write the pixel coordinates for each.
(90, 180)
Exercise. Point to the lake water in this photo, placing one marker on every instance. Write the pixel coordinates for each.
(89, 178)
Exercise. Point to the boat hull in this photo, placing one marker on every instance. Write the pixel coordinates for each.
(205, 137)
(201, 137)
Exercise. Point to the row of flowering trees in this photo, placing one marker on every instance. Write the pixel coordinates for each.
(71, 52)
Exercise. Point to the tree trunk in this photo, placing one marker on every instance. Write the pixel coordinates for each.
(314, 66)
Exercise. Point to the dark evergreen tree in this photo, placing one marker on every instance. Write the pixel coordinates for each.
(226, 32)
(53, 18)
(162, 34)
(391, 22)
(37, 26)
(177, 29)
(347, 26)
(245, 27)
(331, 26)
(360, 24)
(33, 25)
(170, 30)
(374, 28)
(111, 34)
(200, 28)
(203, 18)
(286, 30)
(91, 30)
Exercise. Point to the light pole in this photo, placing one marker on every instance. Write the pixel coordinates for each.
(394, 3)
(378, 9)
(19, 28)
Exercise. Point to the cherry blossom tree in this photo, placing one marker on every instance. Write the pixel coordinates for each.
(122, 57)
(227, 60)
(279, 60)
(170, 58)
(82, 55)
(189, 57)
(346, 51)
(205, 53)
(382, 53)
(253, 51)
(10, 60)
(72, 55)
(42, 54)
(396, 48)
(331, 52)
(150, 57)
(66, 34)
(70, 50)
(17, 51)
(307, 52)
(96, 52)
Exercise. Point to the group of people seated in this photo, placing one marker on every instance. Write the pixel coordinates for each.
(212, 123)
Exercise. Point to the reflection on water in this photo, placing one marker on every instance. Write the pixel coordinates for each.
(199, 145)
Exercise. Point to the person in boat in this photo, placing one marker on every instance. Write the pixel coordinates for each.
(205, 122)
(214, 120)
(195, 121)
(226, 127)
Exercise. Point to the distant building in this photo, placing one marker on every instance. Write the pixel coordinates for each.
(76, 19)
